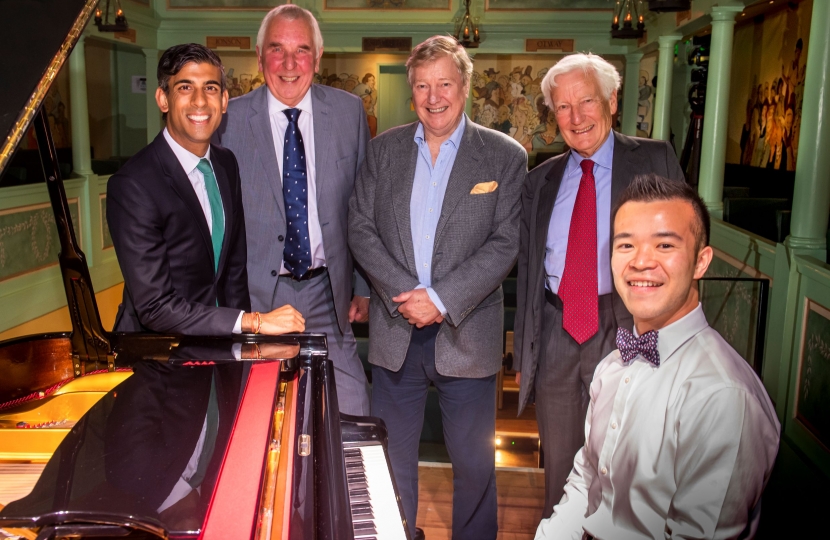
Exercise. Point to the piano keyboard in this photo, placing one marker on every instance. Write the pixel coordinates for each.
(374, 506)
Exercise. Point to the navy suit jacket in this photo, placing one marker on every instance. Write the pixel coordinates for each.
(164, 247)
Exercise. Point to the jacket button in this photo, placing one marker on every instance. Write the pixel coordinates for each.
(280, 238)
(273, 272)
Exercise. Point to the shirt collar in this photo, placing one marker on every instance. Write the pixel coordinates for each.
(187, 159)
(604, 156)
(455, 138)
(672, 337)
(275, 105)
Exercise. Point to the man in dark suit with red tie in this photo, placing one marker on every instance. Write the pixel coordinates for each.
(568, 309)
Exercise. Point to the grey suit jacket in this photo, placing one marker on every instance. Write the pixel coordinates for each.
(340, 137)
(476, 243)
(632, 156)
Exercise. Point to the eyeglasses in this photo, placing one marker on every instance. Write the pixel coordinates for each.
(585, 106)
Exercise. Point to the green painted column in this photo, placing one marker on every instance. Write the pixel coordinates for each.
(811, 197)
(713, 143)
(154, 126)
(631, 93)
(662, 102)
(81, 156)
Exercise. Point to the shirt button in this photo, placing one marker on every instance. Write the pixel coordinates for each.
(613, 425)
(627, 379)
(604, 471)
(425, 265)
(427, 237)
(434, 184)
(430, 209)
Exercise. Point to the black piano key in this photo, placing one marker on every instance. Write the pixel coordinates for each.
(356, 475)
(360, 505)
(354, 465)
(364, 528)
(352, 452)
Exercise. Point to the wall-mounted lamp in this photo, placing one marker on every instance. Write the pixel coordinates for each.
(120, 19)
(467, 31)
(628, 20)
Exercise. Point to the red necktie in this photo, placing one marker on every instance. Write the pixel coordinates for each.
(578, 286)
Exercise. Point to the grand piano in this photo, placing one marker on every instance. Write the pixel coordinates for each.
(153, 436)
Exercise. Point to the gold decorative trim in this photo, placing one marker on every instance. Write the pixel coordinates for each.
(52, 70)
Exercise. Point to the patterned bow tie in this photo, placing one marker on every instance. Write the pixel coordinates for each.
(630, 346)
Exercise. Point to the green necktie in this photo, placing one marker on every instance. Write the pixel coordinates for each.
(217, 215)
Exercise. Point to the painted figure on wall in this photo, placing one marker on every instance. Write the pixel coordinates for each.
(769, 137)
(511, 101)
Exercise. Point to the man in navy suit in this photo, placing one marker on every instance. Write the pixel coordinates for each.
(176, 218)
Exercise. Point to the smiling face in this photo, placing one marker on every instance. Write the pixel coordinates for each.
(584, 117)
(439, 97)
(194, 104)
(288, 59)
(655, 261)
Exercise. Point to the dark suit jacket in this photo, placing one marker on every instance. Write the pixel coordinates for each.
(164, 248)
(632, 156)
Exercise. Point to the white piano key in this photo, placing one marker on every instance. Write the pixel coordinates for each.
(387, 516)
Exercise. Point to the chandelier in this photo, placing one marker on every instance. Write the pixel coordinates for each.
(120, 20)
(626, 12)
(466, 33)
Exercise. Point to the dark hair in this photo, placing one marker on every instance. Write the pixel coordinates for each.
(176, 57)
(652, 187)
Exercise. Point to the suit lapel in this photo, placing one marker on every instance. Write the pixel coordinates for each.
(182, 186)
(260, 123)
(623, 166)
(463, 175)
(227, 203)
(403, 160)
(322, 141)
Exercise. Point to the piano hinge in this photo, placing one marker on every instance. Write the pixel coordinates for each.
(304, 445)
(76, 364)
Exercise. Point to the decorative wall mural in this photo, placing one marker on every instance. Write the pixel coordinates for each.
(352, 72)
(645, 100)
(507, 96)
(549, 5)
(812, 409)
(29, 238)
(388, 4)
(768, 69)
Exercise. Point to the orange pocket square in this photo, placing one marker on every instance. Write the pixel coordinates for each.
(484, 187)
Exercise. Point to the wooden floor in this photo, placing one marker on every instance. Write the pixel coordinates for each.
(521, 496)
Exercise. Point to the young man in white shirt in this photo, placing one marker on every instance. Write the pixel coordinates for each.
(681, 436)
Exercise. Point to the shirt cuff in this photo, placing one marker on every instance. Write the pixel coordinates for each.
(437, 301)
(237, 328)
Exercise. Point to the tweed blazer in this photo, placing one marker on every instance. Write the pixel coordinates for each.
(340, 137)
(476, 243)
(632, 156)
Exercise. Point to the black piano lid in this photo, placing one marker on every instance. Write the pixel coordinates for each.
(36, 37)
(123, 459)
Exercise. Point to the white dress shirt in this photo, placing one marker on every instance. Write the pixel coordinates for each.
(683, 450)
(189, 162)
(279, 123)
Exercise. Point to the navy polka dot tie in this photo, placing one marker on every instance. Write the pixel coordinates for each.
(297, 249)
(630, 346)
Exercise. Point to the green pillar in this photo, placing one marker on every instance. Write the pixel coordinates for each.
(151, 57)
(662, 102)
(81, 156)
(811, 197)
(713, 143)
(631, 93)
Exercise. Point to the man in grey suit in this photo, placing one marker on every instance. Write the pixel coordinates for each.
(434, 223)
(568, 310)
(299, 147)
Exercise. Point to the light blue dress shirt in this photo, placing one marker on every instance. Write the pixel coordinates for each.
(428, 190)
(556, 246)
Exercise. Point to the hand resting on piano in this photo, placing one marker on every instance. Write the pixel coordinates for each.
(283, 320)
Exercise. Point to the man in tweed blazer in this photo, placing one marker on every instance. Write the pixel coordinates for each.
(434, 223)
(334, 133)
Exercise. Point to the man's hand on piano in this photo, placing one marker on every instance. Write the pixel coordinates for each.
(359, 309)
(416, 307)
(283, 320)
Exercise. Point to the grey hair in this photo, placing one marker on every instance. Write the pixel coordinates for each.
(604, 73)
(291, 12)
(436, 47)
